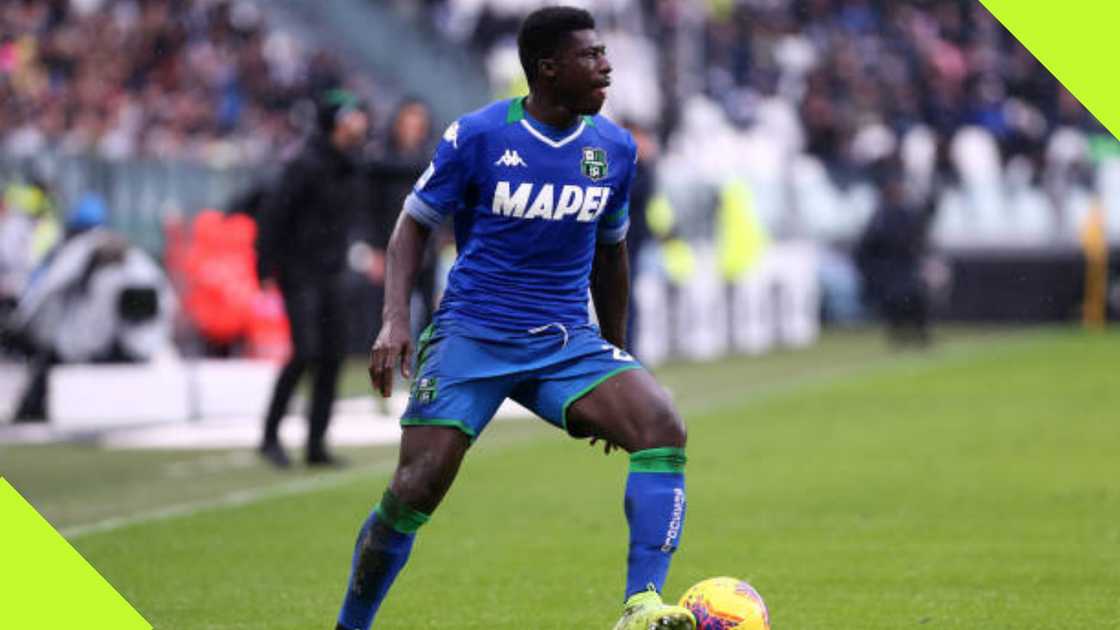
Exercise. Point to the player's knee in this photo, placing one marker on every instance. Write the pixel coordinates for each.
(397, 513)
(665, 427)
(419, 486)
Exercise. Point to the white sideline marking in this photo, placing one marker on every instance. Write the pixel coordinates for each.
(233, 499)
(211, 464)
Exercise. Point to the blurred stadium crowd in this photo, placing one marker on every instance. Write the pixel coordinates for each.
(815, 93)
(759, 121)
(846, 63)
(197, 80)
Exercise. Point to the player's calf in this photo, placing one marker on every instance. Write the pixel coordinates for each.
(655, 509)
(381, 551)
(655, 495)
(429, 461)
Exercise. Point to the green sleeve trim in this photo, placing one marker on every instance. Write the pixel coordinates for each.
(658, 460)
(440, 422)
(516, 110)
(399, 516)
(618, 214)
(586, 390)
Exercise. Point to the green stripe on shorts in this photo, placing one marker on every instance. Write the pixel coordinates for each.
(587, 390)
(440, 422)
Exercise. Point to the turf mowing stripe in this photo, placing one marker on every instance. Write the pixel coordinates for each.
(714, 400)
(239, 498)
(951, 351)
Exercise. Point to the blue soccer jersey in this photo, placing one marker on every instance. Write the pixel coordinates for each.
(529, 204)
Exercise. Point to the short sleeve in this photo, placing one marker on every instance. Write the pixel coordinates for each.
(440, 190)
(615, 220)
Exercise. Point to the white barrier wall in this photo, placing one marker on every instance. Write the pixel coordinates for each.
(86, 396)
(223, 388)
(97, 396)
(775, 305)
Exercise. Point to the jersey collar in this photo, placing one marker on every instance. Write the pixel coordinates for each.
(516, 114)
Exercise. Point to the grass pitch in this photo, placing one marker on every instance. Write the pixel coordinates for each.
(974, 486)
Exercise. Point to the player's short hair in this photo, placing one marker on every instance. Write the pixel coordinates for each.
(543, 33)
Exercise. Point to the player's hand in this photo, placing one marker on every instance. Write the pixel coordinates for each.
(608, 446)
(393, 345)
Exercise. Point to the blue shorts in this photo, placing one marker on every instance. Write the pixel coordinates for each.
(463, 375)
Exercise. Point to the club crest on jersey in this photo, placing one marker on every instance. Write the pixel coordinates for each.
(593, 163)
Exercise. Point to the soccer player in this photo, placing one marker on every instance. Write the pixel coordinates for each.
(537, 187)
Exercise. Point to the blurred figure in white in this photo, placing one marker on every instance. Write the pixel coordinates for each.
(96, 299)
(29, 230)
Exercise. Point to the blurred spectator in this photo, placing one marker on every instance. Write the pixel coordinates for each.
(846, 65)
(202, 80)
(394, 170)
(29, 230)
(97, 299)
(640, 234)
(302, 246)
(890, 256)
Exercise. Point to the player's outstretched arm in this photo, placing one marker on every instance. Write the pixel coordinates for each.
(610, 290)
(394, 341)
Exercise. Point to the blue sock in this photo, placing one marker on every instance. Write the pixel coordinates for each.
(655, 508)
(380, 553)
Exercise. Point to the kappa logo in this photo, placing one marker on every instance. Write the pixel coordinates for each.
(510, 158)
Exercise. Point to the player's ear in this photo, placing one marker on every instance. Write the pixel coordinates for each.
(546, 68)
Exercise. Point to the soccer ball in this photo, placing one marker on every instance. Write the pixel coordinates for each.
(725, 603)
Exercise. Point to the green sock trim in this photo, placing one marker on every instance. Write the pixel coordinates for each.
(658, 460)
(394, 513)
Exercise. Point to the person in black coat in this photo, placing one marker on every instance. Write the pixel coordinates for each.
(302, 244)
(889, 256)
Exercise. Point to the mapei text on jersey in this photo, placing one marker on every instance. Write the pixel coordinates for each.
(586, 203)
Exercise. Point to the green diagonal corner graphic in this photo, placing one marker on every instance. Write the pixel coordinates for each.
(45, 584)
(1076, 41)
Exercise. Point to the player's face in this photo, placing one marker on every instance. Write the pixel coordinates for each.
(583, 73)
